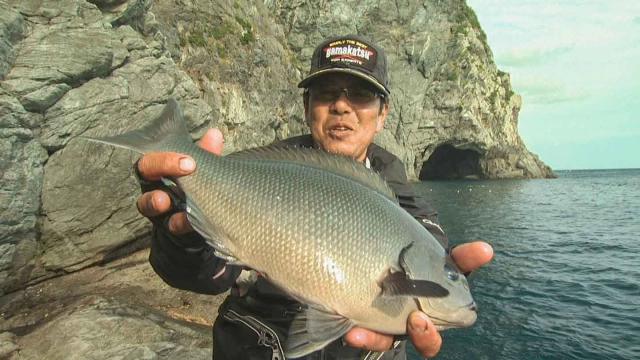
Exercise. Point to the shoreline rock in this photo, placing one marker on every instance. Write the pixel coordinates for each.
(116, 309)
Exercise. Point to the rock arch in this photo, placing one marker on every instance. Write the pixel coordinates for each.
(447, 163)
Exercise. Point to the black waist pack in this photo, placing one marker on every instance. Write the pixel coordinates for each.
(248, 328)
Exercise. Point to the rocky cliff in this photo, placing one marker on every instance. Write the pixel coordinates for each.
(97, 67)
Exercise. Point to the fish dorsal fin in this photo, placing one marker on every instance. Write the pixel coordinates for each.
(313, 329)
(338, 164)
(159, 135)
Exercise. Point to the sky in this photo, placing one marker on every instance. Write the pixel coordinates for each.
(576, 64)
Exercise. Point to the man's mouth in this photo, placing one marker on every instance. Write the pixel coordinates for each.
(339, 130)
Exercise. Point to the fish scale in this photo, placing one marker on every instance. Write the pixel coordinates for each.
(247, 232)
(321, 227)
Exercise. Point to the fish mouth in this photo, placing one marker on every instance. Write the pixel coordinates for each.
(472, 306)
(465, 321)
(465, 316)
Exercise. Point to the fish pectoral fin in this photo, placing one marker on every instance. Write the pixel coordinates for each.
(313, 329)
(398, 284)
(199, 222)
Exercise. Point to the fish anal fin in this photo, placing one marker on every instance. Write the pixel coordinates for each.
(313, 329)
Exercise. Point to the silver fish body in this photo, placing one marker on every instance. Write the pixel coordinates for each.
(320, 226)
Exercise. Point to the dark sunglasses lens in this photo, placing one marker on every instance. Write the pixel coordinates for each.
(326, 93)
(354, 94)
(361, 95)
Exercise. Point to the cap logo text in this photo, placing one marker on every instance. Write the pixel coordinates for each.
(349, 51)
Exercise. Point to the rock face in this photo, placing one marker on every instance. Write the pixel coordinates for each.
(98, 67)
(97, 328)
(128, 314)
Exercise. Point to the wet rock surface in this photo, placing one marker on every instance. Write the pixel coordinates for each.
(117, 309)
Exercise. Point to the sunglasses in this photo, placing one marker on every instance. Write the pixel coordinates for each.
(355, 94)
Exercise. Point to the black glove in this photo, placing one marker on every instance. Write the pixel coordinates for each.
(193, 241)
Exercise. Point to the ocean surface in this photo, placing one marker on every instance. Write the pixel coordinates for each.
(565, 279)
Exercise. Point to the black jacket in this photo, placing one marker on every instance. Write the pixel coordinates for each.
(187, 263)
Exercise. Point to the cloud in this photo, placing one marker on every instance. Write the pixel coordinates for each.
(528, 57)
(555, 97)
(546, 91)
(636, 20)
(540, 24)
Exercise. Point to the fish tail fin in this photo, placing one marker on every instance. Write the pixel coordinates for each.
(167, 129)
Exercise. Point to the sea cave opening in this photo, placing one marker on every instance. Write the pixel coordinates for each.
(449, 163)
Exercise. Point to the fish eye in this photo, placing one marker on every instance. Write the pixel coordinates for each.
(451, 273)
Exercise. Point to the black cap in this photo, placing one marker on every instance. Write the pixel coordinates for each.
(350, 54)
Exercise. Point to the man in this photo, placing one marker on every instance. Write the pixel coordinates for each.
(346, 100)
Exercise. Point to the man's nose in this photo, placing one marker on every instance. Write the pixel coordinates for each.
(341, 105)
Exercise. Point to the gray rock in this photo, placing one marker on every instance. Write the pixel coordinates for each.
(56, 12)
(141, 313)
(6, 256)
(130, 38)
(119, 101)
(73, 49)
(131, 13)
(21, 87)
(42, 99)
(11, 26)
(102, 4)
(21, 176)
(130, 279)
(99, 328)
(64, 55)
(7, 344)
(76, 233)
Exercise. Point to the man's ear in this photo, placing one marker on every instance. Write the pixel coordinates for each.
(305, 101)
(382, 116)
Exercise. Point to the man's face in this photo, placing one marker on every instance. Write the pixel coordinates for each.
(342, 125)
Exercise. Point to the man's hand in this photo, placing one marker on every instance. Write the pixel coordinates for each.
(156, 165)
(420, 328)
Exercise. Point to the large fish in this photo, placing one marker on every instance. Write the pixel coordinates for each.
(321, 226)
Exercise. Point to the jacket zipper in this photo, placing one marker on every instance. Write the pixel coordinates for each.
(266, 336)
(375, 355)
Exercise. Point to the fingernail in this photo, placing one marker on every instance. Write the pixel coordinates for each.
(187, 164)
(419, 322)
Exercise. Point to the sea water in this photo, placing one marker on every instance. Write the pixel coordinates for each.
(565, 279)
